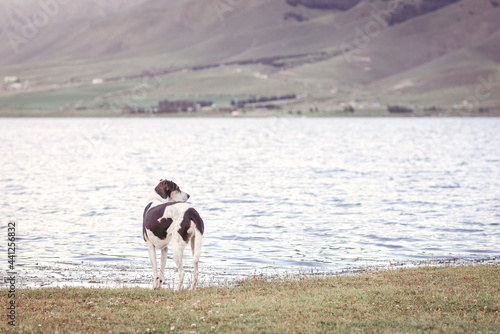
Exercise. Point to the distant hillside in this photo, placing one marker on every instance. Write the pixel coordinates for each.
(325, 4)
(322, 50)
(417, 8)
(13, 12)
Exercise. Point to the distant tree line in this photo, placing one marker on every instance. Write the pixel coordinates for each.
(166, 107)
(325, 4)
(399, 109)
(262, 99)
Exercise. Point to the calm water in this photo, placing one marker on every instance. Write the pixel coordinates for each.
(276, 195)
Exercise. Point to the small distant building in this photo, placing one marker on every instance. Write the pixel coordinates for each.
(10, 79)
(15, 86)
(260, 75)
(97, 81)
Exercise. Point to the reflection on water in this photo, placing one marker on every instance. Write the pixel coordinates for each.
(276, 194)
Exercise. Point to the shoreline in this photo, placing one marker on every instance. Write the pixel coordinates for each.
(253, 113)
(102, 275)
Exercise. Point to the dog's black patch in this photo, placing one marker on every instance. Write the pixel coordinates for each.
(144, 221)
(160, 230)
(191, 215)
(146, 210)
(153, 221)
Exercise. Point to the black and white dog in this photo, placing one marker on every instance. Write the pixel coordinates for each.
(168, 219)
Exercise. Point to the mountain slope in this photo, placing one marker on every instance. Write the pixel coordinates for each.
(312, 48)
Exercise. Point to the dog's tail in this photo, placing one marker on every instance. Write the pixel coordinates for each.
(197, 237)
(192, 221)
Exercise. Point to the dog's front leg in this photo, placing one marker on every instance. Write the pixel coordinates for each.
(152, 258)
(163, 262)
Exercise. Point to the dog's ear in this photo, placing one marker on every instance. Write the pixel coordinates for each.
(163, 189)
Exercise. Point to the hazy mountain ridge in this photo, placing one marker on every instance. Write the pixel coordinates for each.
(365, 47)
(18, 11)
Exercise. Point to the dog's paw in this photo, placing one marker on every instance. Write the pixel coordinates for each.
(162, 279)
(156, 283)
(178, 287)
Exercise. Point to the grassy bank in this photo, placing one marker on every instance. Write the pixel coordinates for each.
(430, 299)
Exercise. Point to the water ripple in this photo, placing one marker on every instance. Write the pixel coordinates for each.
(286, 194)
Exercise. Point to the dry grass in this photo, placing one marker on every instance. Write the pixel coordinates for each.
(429, 299)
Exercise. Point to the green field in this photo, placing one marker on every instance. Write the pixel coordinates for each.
(463, 299)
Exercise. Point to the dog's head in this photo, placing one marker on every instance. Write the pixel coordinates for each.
(171, 192)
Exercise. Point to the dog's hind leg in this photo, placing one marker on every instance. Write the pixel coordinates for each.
(177, 250)
(152, 258)
(196, 248)
(163, 261)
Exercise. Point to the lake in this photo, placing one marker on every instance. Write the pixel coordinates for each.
(278, 195)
